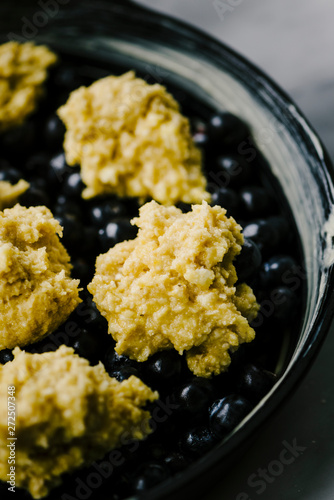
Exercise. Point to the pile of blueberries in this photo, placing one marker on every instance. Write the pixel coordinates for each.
(192, 414)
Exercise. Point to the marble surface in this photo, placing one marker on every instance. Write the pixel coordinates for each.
(294, 43)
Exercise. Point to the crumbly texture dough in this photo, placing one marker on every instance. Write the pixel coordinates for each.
(174, 286)
(37, 293)
(130, 139)
(9, 194)
(23, 70)
(69, 414)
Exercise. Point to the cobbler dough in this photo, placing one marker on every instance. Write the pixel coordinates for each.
(9, 194)
(131, 140)
(174, 286)
(23, 70)
(37, 293)
(68, 415)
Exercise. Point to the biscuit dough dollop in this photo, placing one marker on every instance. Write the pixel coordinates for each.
(23, 70)
(37, 293)
(69, 414)
(10, 193)
(131, 140)
(174, 286)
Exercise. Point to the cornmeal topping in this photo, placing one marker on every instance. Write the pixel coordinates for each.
(174, 286)
(23, 70)
(131, 140)
(37, 293)
(69, 414)
(9, 194)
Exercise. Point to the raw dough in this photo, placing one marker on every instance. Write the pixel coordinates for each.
(173, 286)
(37, 293)
(9, 193)
(68, 415)
(23, 70)
(130, 139)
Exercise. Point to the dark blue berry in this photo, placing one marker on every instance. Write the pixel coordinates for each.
(37, 165)
(255, 201)
(176, 462)
(58, 170)
(201, 139)
(285, 302)
(102, 212)
(124, 373)
(114, 362)
(226, 129)
(81, 270)
(254, 383)
(261, 232)
(54, 132)
(115, 232)
(63, 206)
(275, 269)
(72, 186)
(197, 441)
(10, 174)
(226, 198)
(226, 413)
(72, 230)
(237, 171)
(163, 368)
(34, 197)
(192, 397)
(5, 356)
(87, 345)
(150, 475)
(248, 262)
(281, 230)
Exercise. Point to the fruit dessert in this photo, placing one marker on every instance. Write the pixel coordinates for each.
(200, 302)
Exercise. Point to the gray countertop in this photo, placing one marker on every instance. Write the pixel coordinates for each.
(293, 41)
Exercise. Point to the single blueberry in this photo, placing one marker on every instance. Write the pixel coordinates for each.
(150, 475)
(116, 231)
(226, 413)
(197, 441)
(37, 165)
(226, 129)
(276, 270)
(226, 198)
(285, 302)
(5, 356)
(248, 262)
(58, 170)
(254, 383)
(261, 232)
(176, 462)
(192, 396)
(163, 368)
(72, 186)
(63, 206)
(10, 174)
(114, 362)
(237, 171)
(34, 197)
(201, 139)
(54, 132)
(255, 201)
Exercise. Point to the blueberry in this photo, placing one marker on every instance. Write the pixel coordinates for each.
(226, 413)
(285, 302)
(102, 212)
(275, 269)
(255, 201)
(163, 368)
(72, 230)
(73, 185)
(192, 397)
(197, 441)
(176, 462)
(87, 345)
(198, 126)
(58, 170)
(81, 270)
(201, 139)
(226, 198)
(281, 230)
(124, 373)
(34, 197)
(150, 475)
(63, 206)
(114, 362)
(184, 207)
(5, 356)
(248, 262)
(226, 129)
(54, 132)
(261, 232)
(10, 174)
(37, 165)
(254, 383)
(115, 232)
(237, 171)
